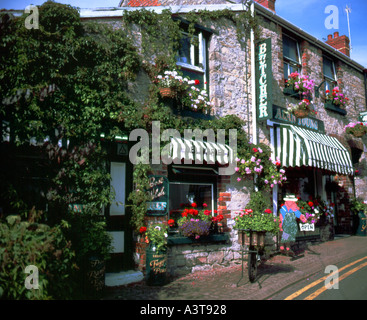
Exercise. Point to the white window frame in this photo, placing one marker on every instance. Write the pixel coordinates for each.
(327, 78)
(202, 43)
(290, 61)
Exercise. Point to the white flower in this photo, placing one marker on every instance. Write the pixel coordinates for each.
(165, 235)
(158, 228)
(153, 249)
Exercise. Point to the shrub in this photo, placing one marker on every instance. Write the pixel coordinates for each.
(24, 243)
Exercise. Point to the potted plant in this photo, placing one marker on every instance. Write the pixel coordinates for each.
(357, 129)
(302, 109)
(359, 209)
(258, 218)
(298, 85)
(156, 253)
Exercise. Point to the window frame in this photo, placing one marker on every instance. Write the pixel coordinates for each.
(329, 81)
(212, 184)
(289, 61)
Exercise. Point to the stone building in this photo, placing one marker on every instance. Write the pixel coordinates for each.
(228, 68)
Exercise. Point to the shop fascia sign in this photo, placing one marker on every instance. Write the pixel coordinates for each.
(281, 115)
(264, 80)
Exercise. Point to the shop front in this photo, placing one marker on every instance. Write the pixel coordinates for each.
(315, 165)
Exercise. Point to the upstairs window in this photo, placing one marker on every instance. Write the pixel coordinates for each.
(329, 73)
(192, 57)
(291, 56)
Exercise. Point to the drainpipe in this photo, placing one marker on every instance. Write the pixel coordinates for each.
(253, 88)
(253, 80)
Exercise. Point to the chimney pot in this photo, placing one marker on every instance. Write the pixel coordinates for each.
(329, 37)
(336, 34)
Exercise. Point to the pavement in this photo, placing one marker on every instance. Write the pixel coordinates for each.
(226, 283)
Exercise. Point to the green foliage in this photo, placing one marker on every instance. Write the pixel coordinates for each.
(257, 215)
(24, 243)
(157, 235)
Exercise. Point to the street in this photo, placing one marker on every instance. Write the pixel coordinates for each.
(343, 281)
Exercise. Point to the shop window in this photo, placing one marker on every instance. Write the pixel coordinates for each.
(329, 73)
(182, 194)
(291, 56)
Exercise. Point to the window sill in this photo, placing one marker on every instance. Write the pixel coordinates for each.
(332, 107)
(212, 238)
(192, 114)
(190, 66)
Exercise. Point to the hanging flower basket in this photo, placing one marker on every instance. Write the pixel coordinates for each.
(356, 129)
(299, 84)
(301, 113)
(302, 109)
(166, 92)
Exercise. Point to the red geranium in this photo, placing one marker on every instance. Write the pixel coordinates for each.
(254, 150)
(310, 203)
(197, 82)
(171, 222)
(142, 229)
(267, 211)
(207, 212)
(194, 205)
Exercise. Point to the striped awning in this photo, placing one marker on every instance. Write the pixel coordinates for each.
(197, 152)
(295, 147)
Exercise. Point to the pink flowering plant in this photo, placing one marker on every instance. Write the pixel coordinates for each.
(336, 98)
(300, 83)
(356, 128)
(257, 216)
(257, 160)
(305, 104)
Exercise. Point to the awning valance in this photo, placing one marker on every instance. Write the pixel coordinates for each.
(200, 151)
(295, 147)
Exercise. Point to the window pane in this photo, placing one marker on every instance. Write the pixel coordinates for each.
(328, 69)
(289, 68)
(183, 194)
(290, 49)
(184, 51)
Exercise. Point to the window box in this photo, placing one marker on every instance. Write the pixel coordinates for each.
(290, 92)
(332, 107)
(220, 237)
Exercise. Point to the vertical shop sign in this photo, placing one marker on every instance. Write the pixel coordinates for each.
(264, 80)
(158, 190)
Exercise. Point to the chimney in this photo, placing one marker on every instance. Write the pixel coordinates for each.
(340, 43)
(269, 4)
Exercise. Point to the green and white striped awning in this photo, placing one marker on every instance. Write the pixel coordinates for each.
(295, 147)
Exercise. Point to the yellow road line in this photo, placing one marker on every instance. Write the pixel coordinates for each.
(299, 292)
(321, 290)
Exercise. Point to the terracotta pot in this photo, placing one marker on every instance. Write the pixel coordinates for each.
(301, 113)
(166, 92)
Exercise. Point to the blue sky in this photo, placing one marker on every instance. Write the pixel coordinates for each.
(308, 15)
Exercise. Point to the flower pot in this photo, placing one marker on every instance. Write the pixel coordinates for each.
(358, 134)
(95, 277)
(258, 238)
(301, 113)
(166, 92)
(156, 266)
